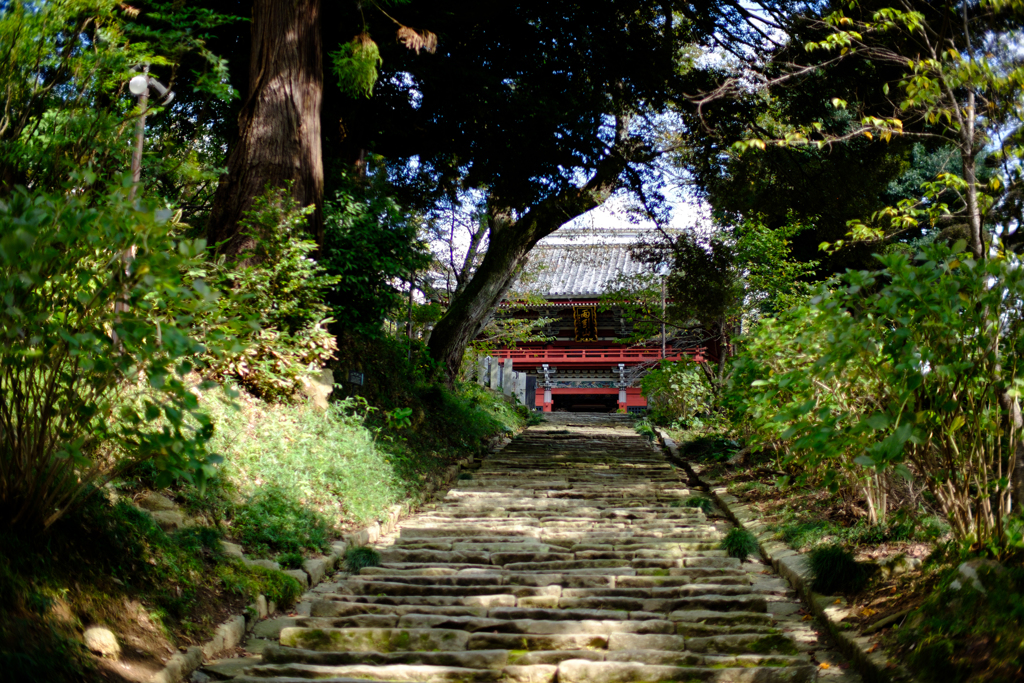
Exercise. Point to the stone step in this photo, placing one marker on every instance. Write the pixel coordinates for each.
(567, 557)
(467, 659)
(584, 671)
(411, 673)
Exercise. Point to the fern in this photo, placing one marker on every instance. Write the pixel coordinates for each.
(355, 66)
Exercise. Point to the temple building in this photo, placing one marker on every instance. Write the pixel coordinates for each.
(585, 366)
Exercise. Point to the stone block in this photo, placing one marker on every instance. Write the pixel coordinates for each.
(154, 502)
(260, 607)
(316, 569)
(102, 641)
(266, 564)
(228, 635)
(507, 376)
(232, 550)
(169, 520)
(319, 387)
(299, 576)
(225, 669)
(495, 382)
(375, 639)
(179, 667)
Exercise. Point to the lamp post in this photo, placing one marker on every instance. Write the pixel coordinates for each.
(139, 86)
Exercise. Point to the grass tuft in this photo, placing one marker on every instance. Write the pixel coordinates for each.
(646, 430)
(360, 556)
(703, 502)
(740, 543)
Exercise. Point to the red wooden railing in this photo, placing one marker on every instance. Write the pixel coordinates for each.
(594, 356)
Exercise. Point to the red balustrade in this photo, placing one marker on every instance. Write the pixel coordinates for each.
(593, 356)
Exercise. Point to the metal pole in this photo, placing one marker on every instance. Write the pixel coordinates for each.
(140, 133)
(128, 255)
(408, 321)
(663, 317)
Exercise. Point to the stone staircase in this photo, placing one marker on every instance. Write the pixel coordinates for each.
(567, 557)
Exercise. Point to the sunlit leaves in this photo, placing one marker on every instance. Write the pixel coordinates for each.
(71, 363)
(896, 372)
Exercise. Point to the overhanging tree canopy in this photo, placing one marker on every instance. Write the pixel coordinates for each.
(548, 108)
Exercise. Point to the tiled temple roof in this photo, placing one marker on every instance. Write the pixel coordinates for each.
(578, 270)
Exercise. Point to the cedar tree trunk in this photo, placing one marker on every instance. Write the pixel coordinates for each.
(279, 124)
(510, 242)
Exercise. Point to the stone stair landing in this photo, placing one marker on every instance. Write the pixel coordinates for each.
(568, 557)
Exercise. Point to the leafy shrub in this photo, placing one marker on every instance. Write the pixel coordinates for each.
(835, 571)
(740, 543)
(280, 289)
(272, 521)
(370, 243)
(290, 560)
(359, 556)
(71, 392)
(897, 372)
(677, 392)
(703, 502)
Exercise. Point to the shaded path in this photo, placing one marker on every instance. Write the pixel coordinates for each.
(566, 558)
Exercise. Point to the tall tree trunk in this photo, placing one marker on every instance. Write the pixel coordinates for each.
(279, 124)
(509, 246)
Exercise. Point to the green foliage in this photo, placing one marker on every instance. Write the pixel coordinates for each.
(324, 460)
(355, 66)
(290, 560)
(704, 503)
(709, 448)
(370, 242)
(740, 543)
(359, 556)
(272, 521)
(251, 581)
(645, 429)
(279, 289)
(677, 392)
(66, 65)
(897, 372)
(63, 377)
(835, 571)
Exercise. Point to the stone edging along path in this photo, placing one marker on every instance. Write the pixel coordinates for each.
(865, 652)
(234, 631)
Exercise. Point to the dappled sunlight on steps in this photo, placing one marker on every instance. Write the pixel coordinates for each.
(567, 558)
